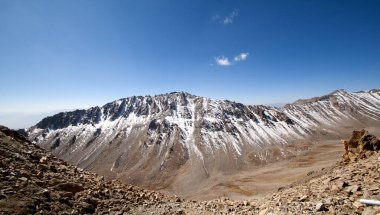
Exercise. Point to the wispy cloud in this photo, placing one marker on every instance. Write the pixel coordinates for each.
(227, 19)
(222, 61)
(241, 57)
(215, 17)
(230, 18)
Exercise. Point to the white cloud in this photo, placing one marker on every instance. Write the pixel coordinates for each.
(226, 20)
(241, 57)
(230, 18)
(222, 61)
(215, 17)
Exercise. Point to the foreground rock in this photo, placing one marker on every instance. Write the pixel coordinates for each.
(360, 145)
(35, 182)
(337, 191)
(32, 181)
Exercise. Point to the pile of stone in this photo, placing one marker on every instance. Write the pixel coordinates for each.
(338, 191)
(33, 181)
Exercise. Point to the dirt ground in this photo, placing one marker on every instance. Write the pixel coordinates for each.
(267, 179)
(261, 181)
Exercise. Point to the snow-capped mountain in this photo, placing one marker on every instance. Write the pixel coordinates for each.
(156, 140)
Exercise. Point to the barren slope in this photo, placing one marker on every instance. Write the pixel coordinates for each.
(35, 182)
(171, 141)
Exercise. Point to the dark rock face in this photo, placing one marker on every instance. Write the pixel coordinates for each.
(212, 126)
(13, 134)
(74, 118)
(145, 106)
(55, 143)
(370, 142)
(69, 187)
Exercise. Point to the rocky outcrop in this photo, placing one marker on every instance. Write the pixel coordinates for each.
(360, 145)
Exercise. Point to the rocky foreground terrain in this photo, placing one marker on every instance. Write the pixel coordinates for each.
(32, 181)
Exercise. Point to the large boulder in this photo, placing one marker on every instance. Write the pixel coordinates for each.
(360, 145)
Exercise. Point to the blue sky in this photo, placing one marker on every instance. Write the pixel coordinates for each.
(62, 55)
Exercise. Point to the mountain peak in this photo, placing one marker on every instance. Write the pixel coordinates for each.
(319, 98)
(151, 139)
(342, 91)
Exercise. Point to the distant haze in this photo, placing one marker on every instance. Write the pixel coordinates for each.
(23, 120)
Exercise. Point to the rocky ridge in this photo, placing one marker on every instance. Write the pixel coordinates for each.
(36, 182)
(170, 140)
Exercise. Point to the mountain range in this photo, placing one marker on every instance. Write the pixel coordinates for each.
(172, 140)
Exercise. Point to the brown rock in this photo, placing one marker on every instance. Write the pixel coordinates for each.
(341, 184)
(86, 208)
(264, 211)
(353, 189)
(359, 146)
(374, 188)
(357, 204)
(66, 194)
(303, 198)
(43, 159)
(69, 187)
(321, 207)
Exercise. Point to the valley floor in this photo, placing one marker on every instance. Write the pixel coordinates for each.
(269, 178)
(264, 180)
